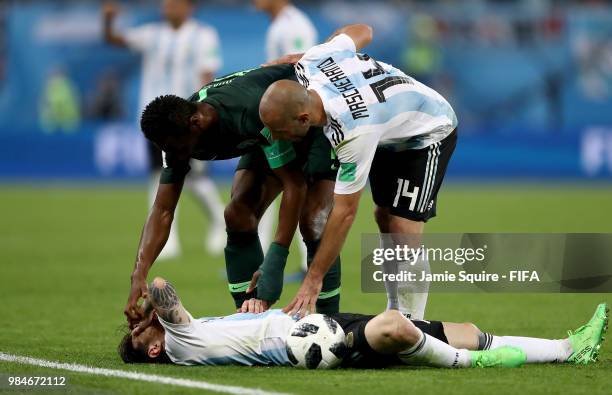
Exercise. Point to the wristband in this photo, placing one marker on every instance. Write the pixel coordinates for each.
(270, 282)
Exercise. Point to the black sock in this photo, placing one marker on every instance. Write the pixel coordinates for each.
(243, 255)
(329, 298)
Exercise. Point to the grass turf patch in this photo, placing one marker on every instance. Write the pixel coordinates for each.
(67, 254)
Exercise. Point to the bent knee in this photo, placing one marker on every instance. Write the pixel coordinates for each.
(399, 330)
(313, 220)
(381, 216)
(240, 218)
(470, 327)
(404, 226)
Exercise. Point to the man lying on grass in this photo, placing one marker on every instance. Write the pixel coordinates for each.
(169, 334)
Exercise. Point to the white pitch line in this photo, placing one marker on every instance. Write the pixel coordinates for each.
(151, 378)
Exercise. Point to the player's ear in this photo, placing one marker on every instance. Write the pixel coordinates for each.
(154, 349)
(194, 120)
(304, 118)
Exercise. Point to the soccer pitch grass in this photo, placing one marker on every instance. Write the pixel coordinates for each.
(66, 254)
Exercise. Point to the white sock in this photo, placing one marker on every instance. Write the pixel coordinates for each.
(537, 350)
(391, 286)
(430, 351)
(266, 226)
(412, 297)
(303, 253)
(206, 192)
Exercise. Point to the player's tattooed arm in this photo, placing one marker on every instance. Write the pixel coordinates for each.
(166, 302)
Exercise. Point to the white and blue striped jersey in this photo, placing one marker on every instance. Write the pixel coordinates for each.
(290, 32)
(173, 60)
(237, 339)
(370, 104)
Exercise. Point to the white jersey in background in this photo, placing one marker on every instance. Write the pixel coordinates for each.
(370, 104)
(174, 59)
(237, 339)
(290, 32)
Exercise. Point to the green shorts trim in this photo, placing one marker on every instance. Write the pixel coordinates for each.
(329, 294)
(239, 287)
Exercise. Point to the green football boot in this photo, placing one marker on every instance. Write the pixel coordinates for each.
(505, 357)
(586, 340)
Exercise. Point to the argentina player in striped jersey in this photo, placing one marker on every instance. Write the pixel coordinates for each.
(168, 333)
(383, 125)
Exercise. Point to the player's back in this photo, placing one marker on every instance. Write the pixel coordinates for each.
(362, 95)
(237, 339)
(236, 97)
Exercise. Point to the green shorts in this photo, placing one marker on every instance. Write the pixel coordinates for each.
(314, 155)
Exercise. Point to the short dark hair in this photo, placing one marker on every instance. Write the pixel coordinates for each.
(166, 115)
(130, 354)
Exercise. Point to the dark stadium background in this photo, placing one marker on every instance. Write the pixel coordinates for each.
(531, 81)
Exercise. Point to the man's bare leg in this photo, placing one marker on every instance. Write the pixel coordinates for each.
(392, 333)
(252, 193)
(316, 209)
(409, 299)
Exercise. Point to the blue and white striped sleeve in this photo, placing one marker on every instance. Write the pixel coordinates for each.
(355, 156)
(340, 46)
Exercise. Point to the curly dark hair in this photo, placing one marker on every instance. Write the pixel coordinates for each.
(130, 354)
(166, 116)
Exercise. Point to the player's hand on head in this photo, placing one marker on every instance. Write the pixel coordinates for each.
(287, 59)
(253, 283)
(144, 324)
(133, 311)
(306, 299)
(254, 306)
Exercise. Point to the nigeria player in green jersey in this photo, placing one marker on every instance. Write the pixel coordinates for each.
(221, 121)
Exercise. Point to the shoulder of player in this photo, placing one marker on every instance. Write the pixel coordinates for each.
(205, 29)
(338, 48)
(293, 14)
(294, 22)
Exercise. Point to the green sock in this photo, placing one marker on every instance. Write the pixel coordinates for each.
(329, 298)
(243, 255)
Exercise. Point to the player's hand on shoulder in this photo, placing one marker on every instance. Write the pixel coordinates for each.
(287, 59)
(253, 305)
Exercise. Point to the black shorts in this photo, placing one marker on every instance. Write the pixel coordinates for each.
(314, 156)
(361, 355)
(407, 182)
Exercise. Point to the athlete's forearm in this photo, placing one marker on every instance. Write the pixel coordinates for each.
(294, 194)
(157, 228)
(361, 34)
(110, 36)
(337, 228)
(152, 240)
(147, 307)
(166, 302)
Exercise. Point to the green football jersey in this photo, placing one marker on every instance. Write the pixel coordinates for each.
(235, 97)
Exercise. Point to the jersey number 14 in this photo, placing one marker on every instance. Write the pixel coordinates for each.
(380, 86)
(403, 191)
